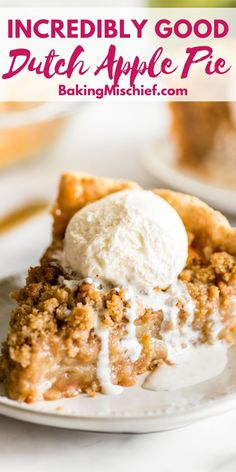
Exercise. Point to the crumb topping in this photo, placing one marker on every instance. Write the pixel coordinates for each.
(53, 326)
(212, 284)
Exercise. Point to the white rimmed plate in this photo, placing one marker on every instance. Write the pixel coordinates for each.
(136, 410)
(160, 161)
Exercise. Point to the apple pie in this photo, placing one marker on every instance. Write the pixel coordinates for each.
(131, 278)
(205, 137)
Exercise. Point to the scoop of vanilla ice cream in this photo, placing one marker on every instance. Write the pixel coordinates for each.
(132, 237)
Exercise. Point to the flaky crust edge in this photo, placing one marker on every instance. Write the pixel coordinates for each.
(209, 226)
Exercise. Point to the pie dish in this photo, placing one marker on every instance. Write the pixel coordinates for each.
(28, 127)
(71, 334)
(205, 138)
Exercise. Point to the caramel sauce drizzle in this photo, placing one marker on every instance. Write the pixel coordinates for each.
(21, 214)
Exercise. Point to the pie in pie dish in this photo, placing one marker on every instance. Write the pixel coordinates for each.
(131, 278)
(26, 128)
(205, 137)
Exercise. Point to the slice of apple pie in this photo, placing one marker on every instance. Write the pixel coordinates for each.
(131, 278)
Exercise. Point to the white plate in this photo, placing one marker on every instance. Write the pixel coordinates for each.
(160, 161)
(136, 410)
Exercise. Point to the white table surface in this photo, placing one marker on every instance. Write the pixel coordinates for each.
(105, 139)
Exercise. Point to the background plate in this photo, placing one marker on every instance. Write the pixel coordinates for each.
(160, 160)
(136, 410)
